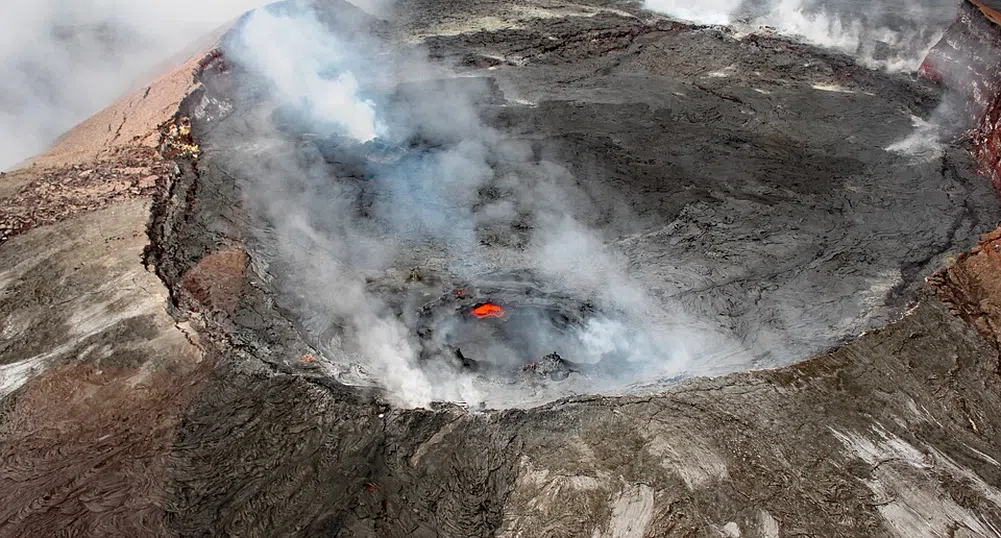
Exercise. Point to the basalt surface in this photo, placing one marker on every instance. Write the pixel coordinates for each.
(752, 191)
(746, 179)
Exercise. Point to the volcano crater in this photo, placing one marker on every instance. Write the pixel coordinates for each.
(727, 222)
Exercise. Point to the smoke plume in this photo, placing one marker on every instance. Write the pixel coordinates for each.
(884, 34)
(343, 250)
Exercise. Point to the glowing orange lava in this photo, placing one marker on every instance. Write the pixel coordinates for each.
(488, 310)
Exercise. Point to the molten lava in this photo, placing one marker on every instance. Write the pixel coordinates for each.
(488, 310)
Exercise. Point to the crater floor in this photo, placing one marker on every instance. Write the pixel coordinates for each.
(734, 201)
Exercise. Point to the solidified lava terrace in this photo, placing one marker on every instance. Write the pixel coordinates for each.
(694, 204)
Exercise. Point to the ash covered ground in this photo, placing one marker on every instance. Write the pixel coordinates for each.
(714, 202)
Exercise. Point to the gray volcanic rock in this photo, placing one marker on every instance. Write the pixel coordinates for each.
(859, 442)
(738, 189)
(752, 189)
(750, 199)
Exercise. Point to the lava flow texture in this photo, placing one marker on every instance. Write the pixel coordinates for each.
(488, 310)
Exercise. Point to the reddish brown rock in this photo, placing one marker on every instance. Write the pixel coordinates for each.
(972, 287)
(84, 451)
(44, 195)
(214, 283)
(94, 374)
(968, 59)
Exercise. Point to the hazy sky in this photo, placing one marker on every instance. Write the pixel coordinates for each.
(62, 61)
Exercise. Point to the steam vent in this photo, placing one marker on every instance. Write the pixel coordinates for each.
(514, 269)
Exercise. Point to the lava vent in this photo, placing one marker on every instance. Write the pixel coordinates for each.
(516, 334)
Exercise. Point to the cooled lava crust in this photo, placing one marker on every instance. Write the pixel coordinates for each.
(753, 190)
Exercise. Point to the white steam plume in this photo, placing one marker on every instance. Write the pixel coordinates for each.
(298, 60)
(707, 12)
(423, 211)
(884, 34)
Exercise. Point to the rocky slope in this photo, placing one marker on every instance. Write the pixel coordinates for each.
(202, 400)
(966, 61)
